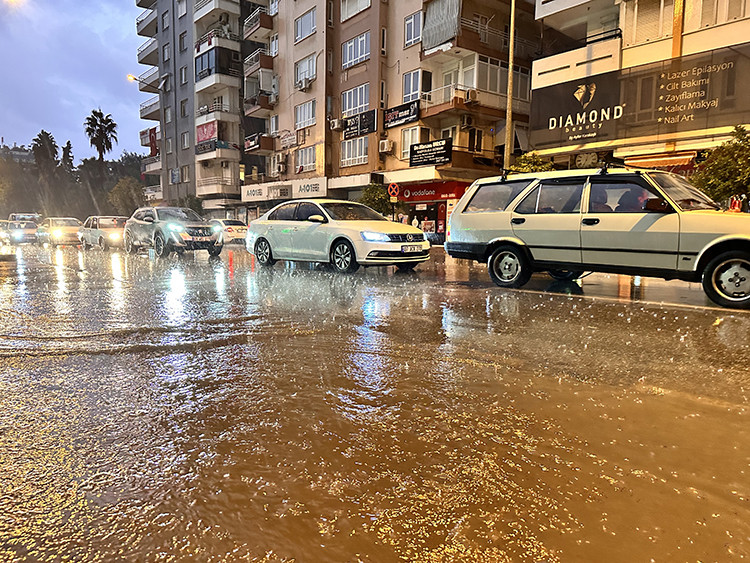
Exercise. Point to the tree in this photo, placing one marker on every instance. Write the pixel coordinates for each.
(66, 162)
(726, 171)
(191, 202)
(127, 195)
(376, 196)
(531, 162)
(45, 151)
(102, 132)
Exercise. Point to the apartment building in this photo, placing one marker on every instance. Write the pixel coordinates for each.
(361, 92)
(653, 82)
(194, 52)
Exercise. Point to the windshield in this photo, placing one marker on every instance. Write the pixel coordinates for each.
(682, 192)
(178, 214)
(112, 222)
(233, 223)
(65, 222)
(351, 212)
(23, 225)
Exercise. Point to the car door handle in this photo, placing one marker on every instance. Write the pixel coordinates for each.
(590, 221)
(518, 220)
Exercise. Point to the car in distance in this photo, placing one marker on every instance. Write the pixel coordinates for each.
(21, 232)
(30, 216)
(230, 230)
(167, 229)
(104, 231)
(58, 230)
(625, 221)
(344, 234)
(4, 231)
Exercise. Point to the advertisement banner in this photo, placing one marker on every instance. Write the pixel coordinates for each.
(399, 115)
(309, 187)
(433, 192)
(361, 124)
(689, 93)
(435, 152)
(254, 193)
(205, 132)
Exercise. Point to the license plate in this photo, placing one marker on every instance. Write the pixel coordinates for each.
(201, 239)
(411, 248)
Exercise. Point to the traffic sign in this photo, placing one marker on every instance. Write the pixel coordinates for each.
(393, 189)
(394, 199)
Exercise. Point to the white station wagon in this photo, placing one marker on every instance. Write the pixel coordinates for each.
(344, 234)
(636, 222)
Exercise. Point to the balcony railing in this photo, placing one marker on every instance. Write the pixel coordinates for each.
(149, 104)
(211, 145)
(445, 94)
(146, 46)
(153, 192)
(498, 40)
(210, 108)
(254, 59)
(254, 19)
(206, 72)
(145, 14)
(201, 3)
(215, 34)
(150, 160)
(218, 181)
(149, 76)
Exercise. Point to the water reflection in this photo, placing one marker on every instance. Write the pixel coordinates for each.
(117, 295)
(174, 301)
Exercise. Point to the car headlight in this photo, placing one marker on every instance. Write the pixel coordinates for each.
(114, 236)
(17, 234)
(57, 233)
(216, 228)
(176, 228)
(369, 236)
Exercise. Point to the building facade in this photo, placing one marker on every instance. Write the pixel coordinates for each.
(653, 82)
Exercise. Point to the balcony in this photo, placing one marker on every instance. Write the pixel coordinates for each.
(260, 59)
(216, 111)
(216, 149)
(467, 161)
(211, 80)
(602, 53)
(218, 38)
(460, 100)
(149, 81)
(210, 10)
(258, 26)
(144, 3)
(145, 23)
(260, 105)
(153, 193)
(150, 108)
(567, 14)
(151, 165)
(217, 186)
(259, 143)
(481, 39)
(148, 53)
(145, 136)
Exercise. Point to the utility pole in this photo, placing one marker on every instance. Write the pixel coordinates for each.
(509, 137)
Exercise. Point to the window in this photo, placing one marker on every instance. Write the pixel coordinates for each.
(305, 68)
(413, 29)
(475, 140)
(273, 124)
(183, 108)
(329, 61)
(351, 8)
(168, 145)
(354, 151)
(165, 52)
(304, 115)
(355, 50)
(413, 136)
(553, 196)
(383, 96)
(181, 8)
(495, 197)
(492, 75)
(165, 19)
(185, 173)
(304, 159)
(304, 26)
(183, 75)
(168, 114)
(619, 196)
(273, 45)
(305, 209)
(183, 40)
(383, 42)
(284, 213)
(449, 133)
(185, 140)
(411, 86)
(273, 7)
(329, 13)
(356, 100)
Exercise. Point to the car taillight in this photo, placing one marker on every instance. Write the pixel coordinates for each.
(230, 230)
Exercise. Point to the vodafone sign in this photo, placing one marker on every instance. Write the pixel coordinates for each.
(433, 192)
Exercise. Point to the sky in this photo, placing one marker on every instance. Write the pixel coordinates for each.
(64, 58)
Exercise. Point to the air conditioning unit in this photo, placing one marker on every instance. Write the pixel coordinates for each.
(466, 121)
(471, 96)
(303, 85)
(385, 146)
(337, 124)
(281, 168)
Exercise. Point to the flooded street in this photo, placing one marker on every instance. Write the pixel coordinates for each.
(209, 410)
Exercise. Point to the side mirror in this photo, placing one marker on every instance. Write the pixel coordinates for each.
(148, 219)
(316, 219)
(657, 205)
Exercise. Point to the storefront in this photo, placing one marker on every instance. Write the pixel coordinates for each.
(428, 205)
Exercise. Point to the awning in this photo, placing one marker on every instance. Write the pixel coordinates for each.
(662, 160)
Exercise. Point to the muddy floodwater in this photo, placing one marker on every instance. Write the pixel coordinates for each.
(209, 410)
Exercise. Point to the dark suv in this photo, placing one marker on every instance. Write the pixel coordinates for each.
(167, 229)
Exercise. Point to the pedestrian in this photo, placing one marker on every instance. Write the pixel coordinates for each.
(744, 207)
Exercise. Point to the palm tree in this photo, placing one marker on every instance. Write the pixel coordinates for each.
(45, 151)
(102, 132)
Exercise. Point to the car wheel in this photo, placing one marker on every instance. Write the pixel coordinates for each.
(128, 244)
(343, 258)
(565, 275)
(263, 253)
(161, 247)
(509, 267)
(406, 266)
(726, 279)
(102, 243)
(215, 249)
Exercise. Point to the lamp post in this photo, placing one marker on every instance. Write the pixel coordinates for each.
(509, 103)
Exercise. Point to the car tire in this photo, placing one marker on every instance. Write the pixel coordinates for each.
(103, 243)
(726, 279)
(509, 267)
(343, 258)
(263, 253)
(215, 249)
(161, 246)
(406, 266)
(565, 275)
(128, 244)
